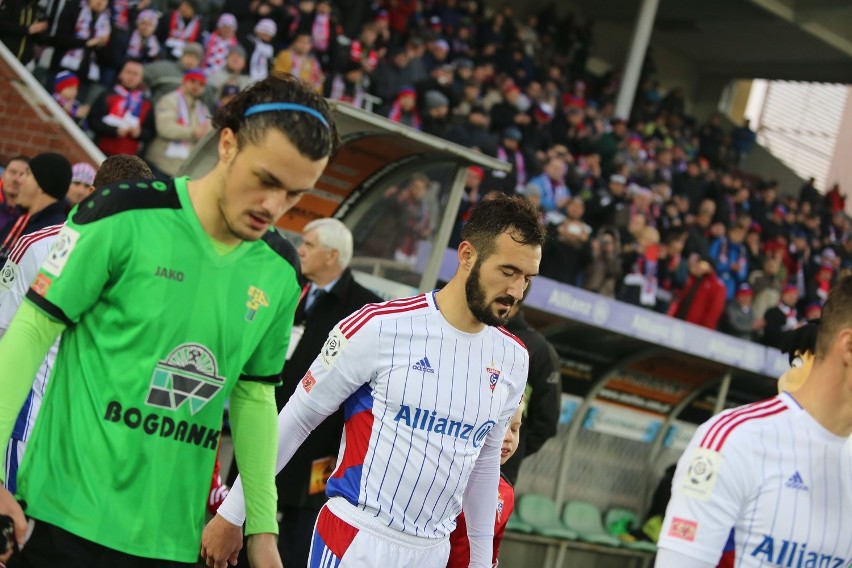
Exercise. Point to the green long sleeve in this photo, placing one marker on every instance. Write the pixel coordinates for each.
(254, 426)
(22, 349)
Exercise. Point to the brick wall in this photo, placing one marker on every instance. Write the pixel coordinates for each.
(24, 131)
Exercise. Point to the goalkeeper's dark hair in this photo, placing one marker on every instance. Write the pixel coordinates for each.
(288, 105)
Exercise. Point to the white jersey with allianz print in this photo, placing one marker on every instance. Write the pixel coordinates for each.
(774, 475)
(429, 398)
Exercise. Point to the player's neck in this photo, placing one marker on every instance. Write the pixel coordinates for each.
(202, 195)
(40, 204)
(827, 396)
(452, 303)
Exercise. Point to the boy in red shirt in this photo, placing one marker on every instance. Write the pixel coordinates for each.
(459, 546)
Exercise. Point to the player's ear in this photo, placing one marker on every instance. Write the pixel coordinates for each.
(467, 255)
(227, 145)
(844, 343)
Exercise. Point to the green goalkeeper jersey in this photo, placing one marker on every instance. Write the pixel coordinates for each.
(160, 328)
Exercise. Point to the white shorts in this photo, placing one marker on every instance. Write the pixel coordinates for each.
(347, 537)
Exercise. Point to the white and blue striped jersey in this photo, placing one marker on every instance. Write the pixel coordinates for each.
(430, 397)
(16, 276)
(769, 480)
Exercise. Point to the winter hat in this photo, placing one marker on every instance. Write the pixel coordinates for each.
(435, 99)
(52, 172)
(65, 79)
(266, 26)
(194, 48)
(83, 172)
(148, 16)
(744, 290)
(196, 74)
(227, 20)
(238, 49)
(512, 133)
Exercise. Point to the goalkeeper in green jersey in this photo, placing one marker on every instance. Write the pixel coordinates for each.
(171, 297)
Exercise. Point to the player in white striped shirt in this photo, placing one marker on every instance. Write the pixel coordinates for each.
(428, 385)
(775, 476)
(15, 278)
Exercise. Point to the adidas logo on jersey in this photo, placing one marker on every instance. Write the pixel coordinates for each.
(796, 482)
(423, 365)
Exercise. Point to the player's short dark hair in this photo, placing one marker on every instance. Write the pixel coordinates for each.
(308, 134)
(122, 167)
(500, 214)
(836, 315)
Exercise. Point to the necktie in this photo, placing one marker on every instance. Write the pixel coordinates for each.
(314, 295)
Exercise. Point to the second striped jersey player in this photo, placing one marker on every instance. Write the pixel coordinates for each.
(428, 386)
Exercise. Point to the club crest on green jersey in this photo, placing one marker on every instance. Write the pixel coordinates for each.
(188, 375)
(257, 299)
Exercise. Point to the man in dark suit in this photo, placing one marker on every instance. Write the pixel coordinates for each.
(330, 295)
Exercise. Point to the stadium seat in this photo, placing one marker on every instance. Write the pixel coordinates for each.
(515, 524)
(585, 519)
(540, 513)
(620, 523)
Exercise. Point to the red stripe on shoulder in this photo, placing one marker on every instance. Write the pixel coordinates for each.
(716, 435)
(27, 241)
(746, 419)
(509, 334)
(367, 311)
(387, 310)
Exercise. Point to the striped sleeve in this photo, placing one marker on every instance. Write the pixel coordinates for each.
(714, 478)
(21, 269)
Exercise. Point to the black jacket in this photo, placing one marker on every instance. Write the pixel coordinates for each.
(345, 298)
(16, 16)
(53, 214)
(543, 395)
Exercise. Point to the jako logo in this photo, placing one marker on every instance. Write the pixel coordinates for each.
(430, 422)
(793, 554)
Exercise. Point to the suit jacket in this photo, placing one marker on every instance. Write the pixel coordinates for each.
(345, 298)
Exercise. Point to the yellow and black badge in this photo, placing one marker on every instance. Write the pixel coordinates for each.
(257, 299)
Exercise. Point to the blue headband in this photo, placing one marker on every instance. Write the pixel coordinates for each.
(269, 107)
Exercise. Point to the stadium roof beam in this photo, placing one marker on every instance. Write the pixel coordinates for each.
(800, 40)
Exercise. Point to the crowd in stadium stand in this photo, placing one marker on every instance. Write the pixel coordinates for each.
(651, 209)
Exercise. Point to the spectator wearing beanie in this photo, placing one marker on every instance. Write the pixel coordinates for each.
(65, 89)
(404, 108)
(220, 43)
(740, 320)
(82, 179)
(43, 188)
(182, 120)
(436, 109)
(165, 75)
(262, 52)
(144, 45)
